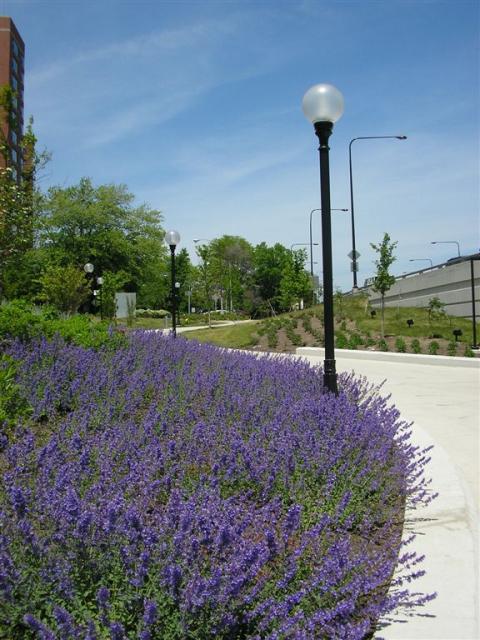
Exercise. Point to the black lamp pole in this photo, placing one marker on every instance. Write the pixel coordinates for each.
(311, 241)
(354, 250)
(174, 293)
(323, 131)
(474, 317)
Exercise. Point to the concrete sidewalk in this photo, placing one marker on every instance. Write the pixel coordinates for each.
(441, 397)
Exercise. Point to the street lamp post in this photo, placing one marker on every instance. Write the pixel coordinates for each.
(422, 260)
(89, 269)
(448, 242)
(302, 244)
(172, 238)
(100, 284)
(354, 251)
(311, 243)
(323, 106)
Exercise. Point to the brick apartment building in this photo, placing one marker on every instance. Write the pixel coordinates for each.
(12, 56)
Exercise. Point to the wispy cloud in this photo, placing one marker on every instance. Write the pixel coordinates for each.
(126, 86)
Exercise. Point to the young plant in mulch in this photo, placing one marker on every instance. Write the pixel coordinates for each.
(171, 490)
(415, 346)
(433, 348)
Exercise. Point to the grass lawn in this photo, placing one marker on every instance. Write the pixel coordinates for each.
(235, 336)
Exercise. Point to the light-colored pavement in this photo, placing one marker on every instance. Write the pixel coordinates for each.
(441, 397)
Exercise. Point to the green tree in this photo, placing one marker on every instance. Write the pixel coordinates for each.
(268, 267)
(65, 288)
(183, 275)
(205, 277)
(383, 280)
(84, 223)
(232, 267)
(436, 308)
(112, 283)
(295, 284)
(17, 197)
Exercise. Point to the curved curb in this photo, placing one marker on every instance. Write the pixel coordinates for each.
(402, 358)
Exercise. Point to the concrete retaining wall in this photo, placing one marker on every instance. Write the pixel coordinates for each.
(449, 282)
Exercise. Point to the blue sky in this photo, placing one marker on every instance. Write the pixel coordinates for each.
(196, 107)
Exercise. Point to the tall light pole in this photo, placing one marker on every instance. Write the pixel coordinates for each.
(311, 243)
(422, 260)
(354, 250)
(448, 242)
(323, 106)
(172, 238)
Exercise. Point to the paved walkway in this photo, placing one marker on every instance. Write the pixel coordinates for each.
(441, 396)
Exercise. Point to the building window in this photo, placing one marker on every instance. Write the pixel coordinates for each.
(14, 156)
(14, 66)
(14, 83)
(13, 137)
(14, 173)
(15, 49)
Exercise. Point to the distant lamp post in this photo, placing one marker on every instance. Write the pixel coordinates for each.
(172, 238)
(302, 244)
(89, 269)
(311, 236)
(354, 251)
(422, 260)
(323, 106)
(448, 242)
(100, 284)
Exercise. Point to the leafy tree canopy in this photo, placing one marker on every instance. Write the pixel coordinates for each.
(84, 223)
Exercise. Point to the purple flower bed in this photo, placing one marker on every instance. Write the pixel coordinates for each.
(171, 490)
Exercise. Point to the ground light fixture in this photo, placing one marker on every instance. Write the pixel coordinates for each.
(410, 323)
(457, 333)
(352, 210)
(172, 238)
(323, 105)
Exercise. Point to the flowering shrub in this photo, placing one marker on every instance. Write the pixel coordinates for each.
(172, 490)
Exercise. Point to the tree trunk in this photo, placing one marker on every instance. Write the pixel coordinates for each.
(383, 316)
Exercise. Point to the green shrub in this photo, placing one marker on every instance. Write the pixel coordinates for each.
(415, 346)
(433, 348)
(355, 341)
(468, 352)
(18, 319)
(452, 348)
(382, 345)
(370, 342)
(343, 325)
(341, 340)
(307, 324)
(272, 338)
(400, 345)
